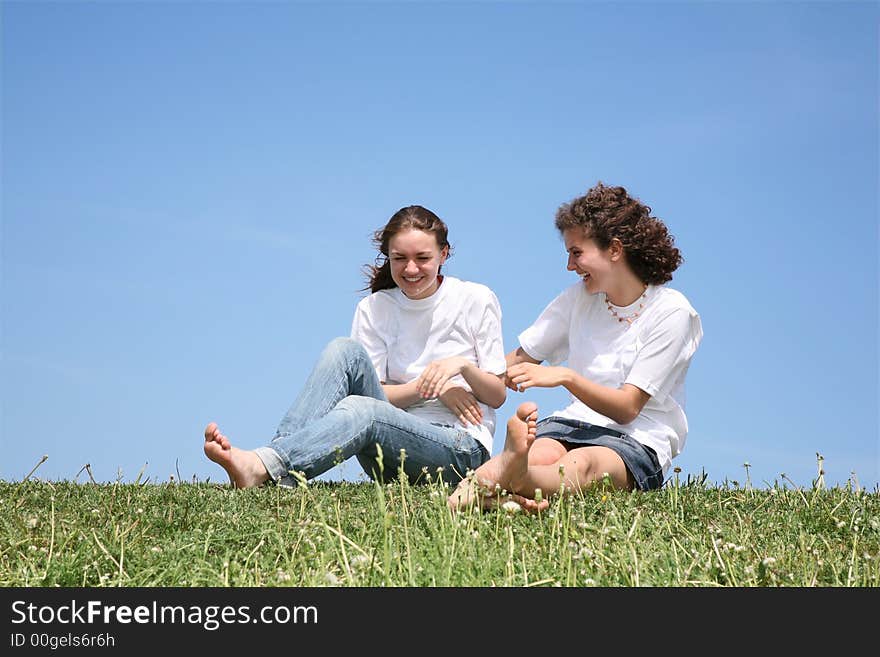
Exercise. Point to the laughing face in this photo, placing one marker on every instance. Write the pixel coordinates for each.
(416, 259)
(590, 262)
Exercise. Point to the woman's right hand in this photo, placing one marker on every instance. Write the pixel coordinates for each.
(463, 403)
(437, 374)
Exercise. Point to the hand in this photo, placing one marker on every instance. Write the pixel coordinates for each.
(463, 404)
(529, 375)
(435, 376)
(507, 382)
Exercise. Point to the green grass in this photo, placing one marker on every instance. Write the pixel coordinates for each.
(366, 534)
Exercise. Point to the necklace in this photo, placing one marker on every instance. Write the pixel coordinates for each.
(629, 319)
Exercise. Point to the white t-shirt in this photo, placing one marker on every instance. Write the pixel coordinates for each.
(403, 336)
(653, 353)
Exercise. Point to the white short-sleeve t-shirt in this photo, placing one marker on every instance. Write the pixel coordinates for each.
(403, 336)
(653, 353)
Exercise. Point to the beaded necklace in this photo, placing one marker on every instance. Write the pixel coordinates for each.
(629, 319)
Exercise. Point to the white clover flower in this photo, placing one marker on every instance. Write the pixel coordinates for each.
(331, 579)
(769, 561)
(511, 507)
(359, 560)
(31, 522)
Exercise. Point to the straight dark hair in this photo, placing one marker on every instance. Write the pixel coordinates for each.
(412, 217)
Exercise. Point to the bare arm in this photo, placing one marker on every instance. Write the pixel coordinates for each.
(621, 404)
(457, 399)
(516, 357)
(487, 387)
(402, 395)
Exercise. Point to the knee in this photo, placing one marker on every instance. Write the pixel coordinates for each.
(546, 451)
(344, 349)
(364, 408)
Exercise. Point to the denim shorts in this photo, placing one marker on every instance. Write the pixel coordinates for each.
(640, 460)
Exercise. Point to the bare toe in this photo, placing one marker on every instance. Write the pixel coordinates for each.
(525, 410)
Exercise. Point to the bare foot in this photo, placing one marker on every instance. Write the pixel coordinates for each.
(245, 469)
(504, 471)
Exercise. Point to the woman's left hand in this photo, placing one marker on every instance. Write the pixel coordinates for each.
(529, 375)
(431, 381)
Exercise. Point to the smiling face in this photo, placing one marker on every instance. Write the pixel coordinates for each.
(592, 263)
(415, 259)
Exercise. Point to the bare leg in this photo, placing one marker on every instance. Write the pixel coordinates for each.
(505, 470)
(245, 469)
(578, 470)
(546, 451)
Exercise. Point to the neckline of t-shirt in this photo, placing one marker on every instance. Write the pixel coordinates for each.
(428, 301)
(648, 295)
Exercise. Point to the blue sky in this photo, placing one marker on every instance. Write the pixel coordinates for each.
(189, 190)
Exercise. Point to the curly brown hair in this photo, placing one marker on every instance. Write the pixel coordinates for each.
(606, 213)
(412, 217)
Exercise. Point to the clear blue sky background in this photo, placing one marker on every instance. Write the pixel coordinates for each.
(189, 190)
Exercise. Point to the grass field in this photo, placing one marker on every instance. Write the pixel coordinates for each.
(366, 534)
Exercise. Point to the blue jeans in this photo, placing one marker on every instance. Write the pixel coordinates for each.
(342, 411)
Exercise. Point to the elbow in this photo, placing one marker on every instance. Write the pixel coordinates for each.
(626, 419)
(630, 404)
(627, 415)
(498, 402)
(498, 397)
(498, 392)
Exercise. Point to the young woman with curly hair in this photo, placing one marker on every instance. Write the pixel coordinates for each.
(421, 373)
(628, 341)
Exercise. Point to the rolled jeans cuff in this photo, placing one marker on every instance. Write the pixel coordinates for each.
(276, 467)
